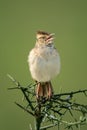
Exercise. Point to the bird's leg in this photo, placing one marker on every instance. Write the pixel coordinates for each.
(49, 90)
(39, 90)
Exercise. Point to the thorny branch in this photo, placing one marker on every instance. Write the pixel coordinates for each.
(54, 110)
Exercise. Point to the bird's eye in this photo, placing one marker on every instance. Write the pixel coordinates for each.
(43, 37)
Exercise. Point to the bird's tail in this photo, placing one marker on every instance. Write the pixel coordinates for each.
(44, 90)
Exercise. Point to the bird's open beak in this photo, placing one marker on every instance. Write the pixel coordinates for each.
(50, 37)
(52, 34)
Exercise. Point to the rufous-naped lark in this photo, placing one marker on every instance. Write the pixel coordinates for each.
(44, 64)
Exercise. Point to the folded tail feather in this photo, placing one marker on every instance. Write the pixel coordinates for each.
(44, 90)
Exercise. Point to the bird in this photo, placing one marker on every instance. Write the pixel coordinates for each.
(44, 64)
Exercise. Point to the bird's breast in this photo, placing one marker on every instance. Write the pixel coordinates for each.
(44, 64)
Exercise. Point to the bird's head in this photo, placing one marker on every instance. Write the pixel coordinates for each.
(44, 38)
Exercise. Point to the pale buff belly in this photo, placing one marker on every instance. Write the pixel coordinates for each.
(44, 67)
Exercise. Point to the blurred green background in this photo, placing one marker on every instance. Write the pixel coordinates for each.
(19, 21)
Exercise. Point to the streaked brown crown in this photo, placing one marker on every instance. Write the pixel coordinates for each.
(42, 33)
